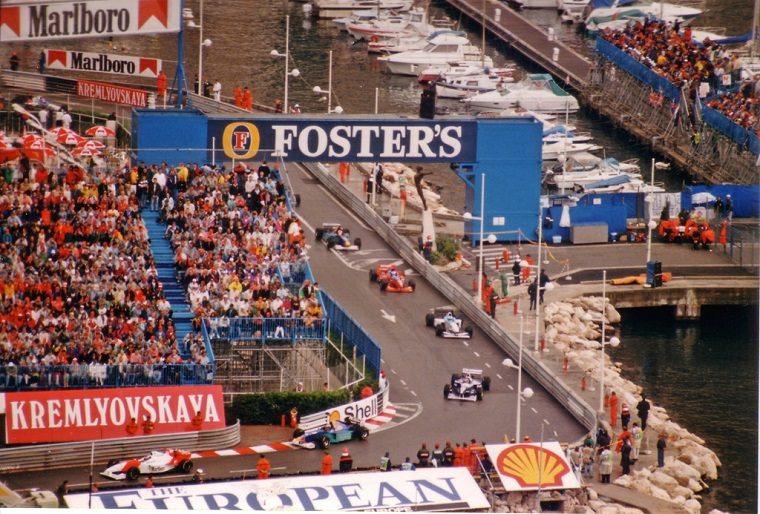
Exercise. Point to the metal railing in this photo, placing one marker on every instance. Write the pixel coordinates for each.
(65, 455)
(83, 376)
(743, 247)
(354, 333)
(264, 329)
(578, 407)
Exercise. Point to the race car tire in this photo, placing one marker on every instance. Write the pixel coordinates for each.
(468, 330)
(331, 244)
(383, 285)
(412, 284)
(323, 442)
(454, 378)
(185, 466)
(479, 396)
(446, 391)
(362, 433)
(372, 275)
(439, 330)
(319, 233)
(298, 432)
(358, 242)
(429, 319)
(486, 383)
(133, 473)
(298, 200)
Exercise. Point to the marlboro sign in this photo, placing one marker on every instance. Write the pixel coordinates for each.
(32, 20)
(103, 63)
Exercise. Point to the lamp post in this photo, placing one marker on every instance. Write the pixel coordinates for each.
(538, 273)
(318, 90)
(614, 341)
(521, 393)
(201, 43)
(491, 238)
(651, 224)
(286, 55)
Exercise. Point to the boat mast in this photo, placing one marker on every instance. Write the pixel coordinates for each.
(483, 40)
(755, 48)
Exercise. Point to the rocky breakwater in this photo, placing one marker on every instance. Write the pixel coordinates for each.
(574, 328)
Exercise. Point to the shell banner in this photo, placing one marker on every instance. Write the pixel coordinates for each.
(531, 466)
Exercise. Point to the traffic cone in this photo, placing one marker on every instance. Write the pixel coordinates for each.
(565, 364)
(515, 308)
(583, 383)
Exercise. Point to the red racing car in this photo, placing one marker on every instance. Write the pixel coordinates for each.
(391, 279)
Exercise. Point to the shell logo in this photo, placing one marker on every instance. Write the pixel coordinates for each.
(334, 416)
(532, 466)
(241, 140)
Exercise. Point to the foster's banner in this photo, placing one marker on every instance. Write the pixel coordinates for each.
(102, 63)
(34, 20)
(85, 414)
(428, 489)
(312, 138)
(530, 466)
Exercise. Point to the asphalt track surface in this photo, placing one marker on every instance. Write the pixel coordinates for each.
(418, 364)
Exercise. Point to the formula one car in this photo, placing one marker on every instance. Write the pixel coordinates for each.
(157, 461)
(470, 386)
(335, 236)
(447, 324)
(334, 431)
(391, 279)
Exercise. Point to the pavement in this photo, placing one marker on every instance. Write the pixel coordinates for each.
(577, 270)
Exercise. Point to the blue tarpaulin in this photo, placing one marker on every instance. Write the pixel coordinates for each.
(741, 135)
(745, 199)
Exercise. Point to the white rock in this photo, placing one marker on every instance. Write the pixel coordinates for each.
(693, 506)
(716, 511)
(680, 490)
(592, 494)
(663, 481)
(660, 493)
(694, 485)
(624, 481)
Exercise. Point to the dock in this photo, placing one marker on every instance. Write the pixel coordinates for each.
(530, 40)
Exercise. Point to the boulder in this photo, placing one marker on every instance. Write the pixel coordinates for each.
(680, 490)
(613, 316)
(624, 481)
(694, 485)
(660, 493)
(693, 506)
(664, 481)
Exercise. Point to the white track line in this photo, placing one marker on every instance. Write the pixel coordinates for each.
(498, 376)
(534, 410)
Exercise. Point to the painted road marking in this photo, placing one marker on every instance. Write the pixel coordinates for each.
(488, 365)
(413, 393)
(498, 376)
(403, 383)
(401, 406)
(476, 354)
(546, 421)
(510, 387)
(466, 343)
(393, 371)
(556, 434)
(534, 410)
(343, 207)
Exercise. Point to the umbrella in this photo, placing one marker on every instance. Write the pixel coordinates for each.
(37, 144)
(85, 152)
(99, 131)
(97, 145)
(701, 198)
(31, 138)
(57, 131)
(70, 138)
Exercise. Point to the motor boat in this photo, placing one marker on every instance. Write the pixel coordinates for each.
(615, 17)
(561, 133)
(573, 174)
(620, 184)
(461, 69)
(460, 86)
(397, 44)
(538, 4)
(442, 49)
(551, 151)
(572, 6)
(410, 24)
(342, 8)
(537, 93)
(359, 16)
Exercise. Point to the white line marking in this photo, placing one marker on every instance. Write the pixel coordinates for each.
(413, 393)
(403, 407)
(306, 223)
(476, 354)
(534, 410)
(386, 426)
(397, 415)
(466, 343)
(488, 365)
(498, 376)
(393, 371)
(546, 421)
(343, 207)
(382, 360)
(510, 387)
(556, 434)
(403, 383)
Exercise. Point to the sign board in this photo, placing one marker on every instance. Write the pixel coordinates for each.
(306, 138)
(530, 466)
(34, 20)
(364, 409)
(428, 489)
(102, 63)
(85, 414)
(112, 93)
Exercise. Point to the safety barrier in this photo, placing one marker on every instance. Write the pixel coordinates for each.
(83, 376)
(581, 410)
(265, 329)
(353, 332)
(64, 455)
(372, 405)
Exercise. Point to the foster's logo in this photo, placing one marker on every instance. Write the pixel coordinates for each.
(241, 140)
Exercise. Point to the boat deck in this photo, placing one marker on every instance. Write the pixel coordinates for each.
(531, 41)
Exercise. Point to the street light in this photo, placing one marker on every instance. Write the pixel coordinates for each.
(201, 43)
(521, 393)
(651, 224)
(318, 90)
(538, 272)
(491, 238)
(294, 73)
(614, 341)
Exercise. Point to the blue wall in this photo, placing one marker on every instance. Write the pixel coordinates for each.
(746, 199)
(174, 135)
(612, 209)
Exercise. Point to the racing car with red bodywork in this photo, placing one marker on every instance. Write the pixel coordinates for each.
(156, 462)
(391, 279)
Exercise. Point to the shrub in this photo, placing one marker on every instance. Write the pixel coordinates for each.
(268, 408)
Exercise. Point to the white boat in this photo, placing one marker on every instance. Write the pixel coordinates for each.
(537, 93)
(461, 69)
(397, 45)
(412, 23)
(561, 133)
(572, 6)
(456, 86)
(341, 8)
(623, 183)
(565, 147)
(440, 50)
(602, 17)
(570, 176)
(539, 4)
(358, 16)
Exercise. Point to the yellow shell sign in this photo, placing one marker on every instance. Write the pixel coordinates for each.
(532, 466)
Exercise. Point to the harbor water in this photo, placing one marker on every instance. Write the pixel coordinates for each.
(704, 373)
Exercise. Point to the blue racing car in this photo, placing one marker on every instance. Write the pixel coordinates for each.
(334, 432)
(338, 238)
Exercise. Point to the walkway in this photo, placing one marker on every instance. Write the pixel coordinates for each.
(529, 40)
(173, 290)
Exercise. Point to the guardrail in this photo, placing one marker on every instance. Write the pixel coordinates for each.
(264, 329)
(581, 410)
(63, 455)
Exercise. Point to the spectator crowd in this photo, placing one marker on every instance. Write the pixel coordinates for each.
(672, 53)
